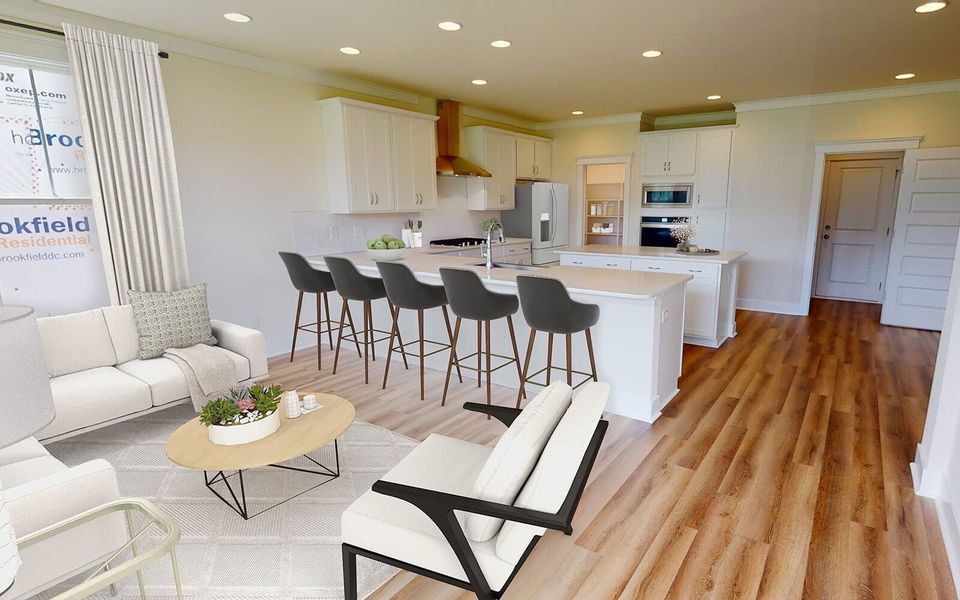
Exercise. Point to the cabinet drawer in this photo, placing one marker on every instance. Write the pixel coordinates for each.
(510, 251)
(680, 267)
(597, 262)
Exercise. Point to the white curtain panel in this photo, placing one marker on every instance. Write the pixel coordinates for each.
(129, 146)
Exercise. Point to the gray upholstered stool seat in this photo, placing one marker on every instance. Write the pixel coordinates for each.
(548, 307)
(308, 280)
(353, 285)
(470, 299)
(405, 291)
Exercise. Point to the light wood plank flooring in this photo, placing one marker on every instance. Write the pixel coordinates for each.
(780, 471)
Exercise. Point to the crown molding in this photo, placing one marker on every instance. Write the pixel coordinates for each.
(53, 17)
(635, 117)
(697, 119)
(489, 115)
(897, 91)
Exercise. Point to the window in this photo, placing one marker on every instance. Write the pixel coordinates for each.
(50, 257)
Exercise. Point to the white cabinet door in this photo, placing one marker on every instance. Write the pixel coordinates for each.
(404, 141)
(700, 314)
(507, 167)
(425, 163)
(543, 153)
(682, 155)
(654, 154)
(361, 197)
(711, 222)
(526, 159)
(713, 169)
(370, 160)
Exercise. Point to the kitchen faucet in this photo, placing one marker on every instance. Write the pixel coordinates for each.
(487, 251)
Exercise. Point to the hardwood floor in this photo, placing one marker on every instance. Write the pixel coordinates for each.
(780, 471)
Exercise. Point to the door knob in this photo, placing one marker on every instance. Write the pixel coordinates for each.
(827, 227)
(826, 236)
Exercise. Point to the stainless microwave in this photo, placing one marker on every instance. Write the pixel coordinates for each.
(667, 195)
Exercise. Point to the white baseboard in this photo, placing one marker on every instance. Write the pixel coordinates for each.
(783, 308)
(932, 483)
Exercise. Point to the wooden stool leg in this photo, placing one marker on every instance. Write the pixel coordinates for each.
(336, 356)
(395, 313)
(369, 327)
(319, 335)
(549, 356)
(403, 352)
(487, 336)
(526, 363)
(356, 338)
(326, 306)
(296, 325)
(420, 328)
(366, 341)
(453, 347)
(593, 364)
(453, 358)
(516, 355)
(569, 360)
(479, 353)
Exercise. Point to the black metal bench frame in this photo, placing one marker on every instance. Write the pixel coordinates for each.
(440, 507)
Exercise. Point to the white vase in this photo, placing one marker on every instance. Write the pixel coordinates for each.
(232, 435)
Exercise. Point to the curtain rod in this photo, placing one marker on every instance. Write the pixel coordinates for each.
(161, 54)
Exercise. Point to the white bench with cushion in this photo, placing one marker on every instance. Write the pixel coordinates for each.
(469, 515)
(97, 378)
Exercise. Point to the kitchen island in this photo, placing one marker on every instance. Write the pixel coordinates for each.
(711, 306)
(638, 341)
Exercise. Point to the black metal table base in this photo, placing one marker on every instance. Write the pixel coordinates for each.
(239, 502)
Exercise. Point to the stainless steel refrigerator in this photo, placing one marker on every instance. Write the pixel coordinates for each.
(541, 213)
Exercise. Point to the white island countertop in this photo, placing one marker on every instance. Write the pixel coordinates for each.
(426, 263)
(652, 252)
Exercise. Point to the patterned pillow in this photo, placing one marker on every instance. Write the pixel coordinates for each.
(171, 319)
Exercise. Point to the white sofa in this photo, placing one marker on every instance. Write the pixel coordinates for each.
(97, 378)
(40, 491)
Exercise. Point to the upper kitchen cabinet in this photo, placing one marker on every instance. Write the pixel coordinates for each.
(496, 151)
(713, 168)
(379, 159)
(672, 153)
(533, 157)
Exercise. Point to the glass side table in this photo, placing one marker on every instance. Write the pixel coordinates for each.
(106, 575)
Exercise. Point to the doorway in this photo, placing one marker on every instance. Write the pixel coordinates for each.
(603, 200)
(858, 207)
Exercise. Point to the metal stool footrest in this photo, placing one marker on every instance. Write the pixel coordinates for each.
(561, 370)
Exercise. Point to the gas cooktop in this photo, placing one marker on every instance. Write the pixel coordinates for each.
(460, 242)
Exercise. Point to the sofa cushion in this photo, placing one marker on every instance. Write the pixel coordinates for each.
(123, 332)
(166, 380)
(177, 319)
(76, 342)
(94, 396)
(25, 471)
(23, 450)
(515, 455)
(396, 528)
(551, 479)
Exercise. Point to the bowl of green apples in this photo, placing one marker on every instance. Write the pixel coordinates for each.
(386, 248)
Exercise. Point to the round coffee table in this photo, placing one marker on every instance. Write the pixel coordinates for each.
(190, 447)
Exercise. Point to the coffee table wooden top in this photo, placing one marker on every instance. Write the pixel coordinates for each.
(190, 447)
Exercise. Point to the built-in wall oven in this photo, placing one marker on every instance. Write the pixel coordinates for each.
(667, 195)
(655, 231)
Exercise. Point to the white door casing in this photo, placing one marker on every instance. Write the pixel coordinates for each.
(855, 228)
(925, 239)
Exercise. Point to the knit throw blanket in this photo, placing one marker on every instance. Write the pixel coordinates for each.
(208, 371)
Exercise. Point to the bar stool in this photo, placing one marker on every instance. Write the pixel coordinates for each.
(547, 306)
(308, 280)
(470, 299)
(405, 291)
(353, 285)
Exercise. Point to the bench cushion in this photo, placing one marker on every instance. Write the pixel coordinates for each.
(166, 380)
(94, 396)
(123, 332)
(515, 455)
(398, 529)
(553, 476)
(76, 342)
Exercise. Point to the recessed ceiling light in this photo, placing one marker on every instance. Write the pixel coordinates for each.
(449, 26)
(349, 50)
(501, 43)
(479, 82)
(929, 7)
(651, 53)
(904, 76)
(577, 112)
(237, 17)
(714, 97)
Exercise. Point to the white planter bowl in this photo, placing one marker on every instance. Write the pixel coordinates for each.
(387, 255)
(233, 435)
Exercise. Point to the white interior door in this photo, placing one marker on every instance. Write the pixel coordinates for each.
(859, 201)
(925, 239)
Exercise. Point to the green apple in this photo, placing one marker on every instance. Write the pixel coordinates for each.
(393, 244)
(380, 245)
(371, 243)
(385, 238)
(400, 244)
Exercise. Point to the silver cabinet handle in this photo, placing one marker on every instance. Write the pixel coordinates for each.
(698, 202)
(577, 262)
(371, 198)
(611, 264)
(664, 166)
(695, 270)
(654, 268)
(376, 198)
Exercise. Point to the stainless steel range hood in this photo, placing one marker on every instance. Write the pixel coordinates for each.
(449, 161)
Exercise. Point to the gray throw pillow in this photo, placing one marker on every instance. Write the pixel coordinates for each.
(171, 319)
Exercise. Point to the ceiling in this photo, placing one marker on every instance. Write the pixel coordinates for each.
(579, 55)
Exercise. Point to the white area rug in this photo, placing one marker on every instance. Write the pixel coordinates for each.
(292, 551)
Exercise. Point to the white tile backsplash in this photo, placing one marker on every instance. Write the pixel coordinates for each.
(320, 232)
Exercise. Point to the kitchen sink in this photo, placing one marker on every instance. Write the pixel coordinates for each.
(512, 266)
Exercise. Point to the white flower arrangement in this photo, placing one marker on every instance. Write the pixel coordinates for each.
(683, 231)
